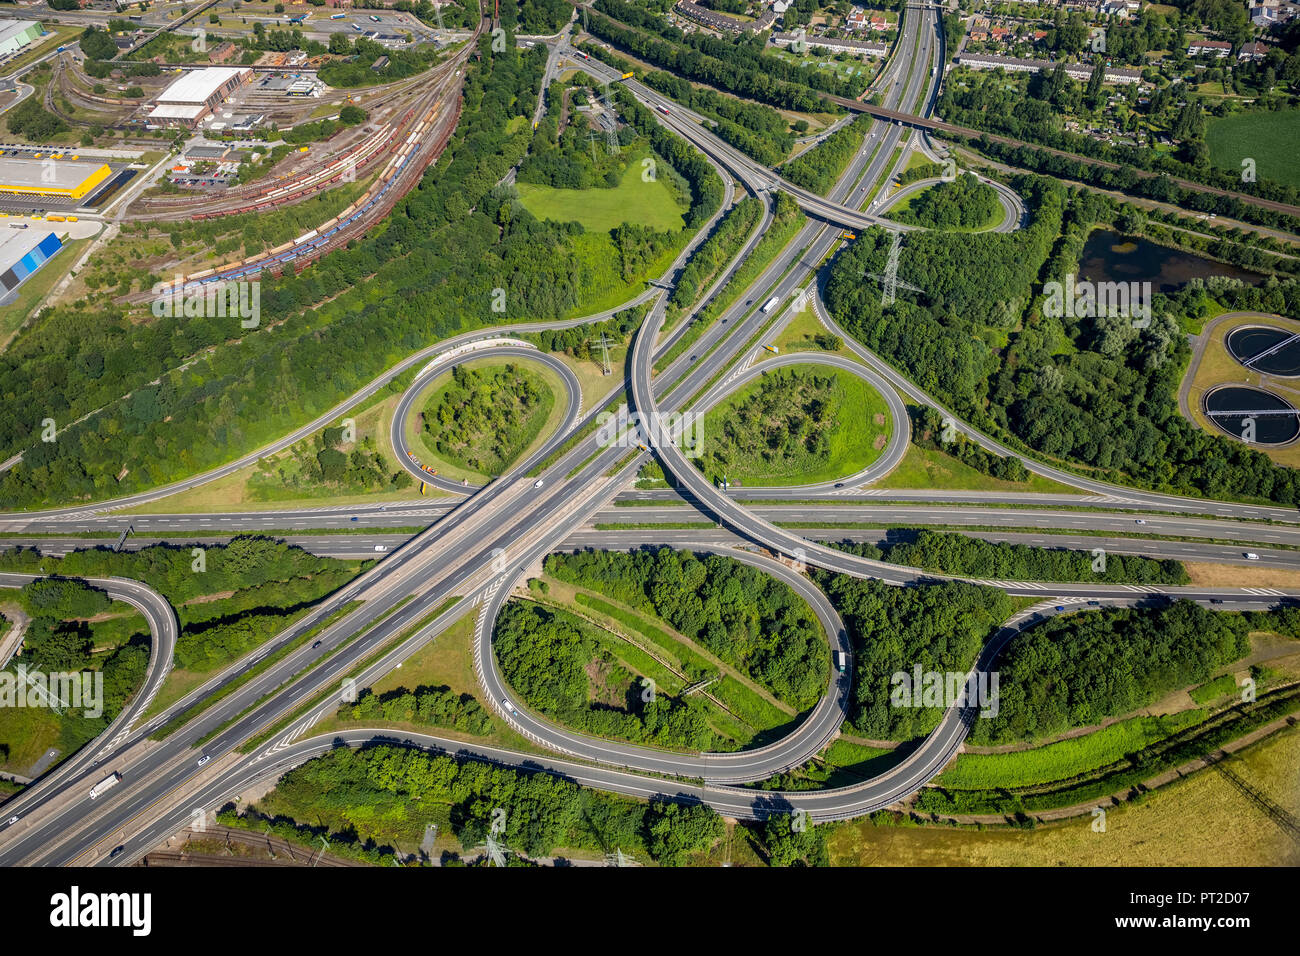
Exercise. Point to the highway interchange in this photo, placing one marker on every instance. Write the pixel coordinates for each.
(482, 542)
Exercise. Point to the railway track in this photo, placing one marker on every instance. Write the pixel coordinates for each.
(51, 103)
(283, 852)
(422, 146)
(385, 142)
(301, 185)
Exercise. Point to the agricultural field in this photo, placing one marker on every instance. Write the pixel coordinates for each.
(1267, 137)
(1230, 830)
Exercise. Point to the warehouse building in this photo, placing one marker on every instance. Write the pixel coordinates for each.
(17, 34)
(194, 96)
(22, 253)
(51, 178)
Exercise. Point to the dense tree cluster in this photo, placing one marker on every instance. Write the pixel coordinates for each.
(97, 44)
(360, 70)
(548, 658)
(1076, 671)
(31, 121)
(787, 418)
(938, 627)
(747, 50)
(246, 561)
(674, 831)
(324, 129)
(205, 645)
(271, 584)
(485, 417)
(970, 282)
(62, 598)
(57, 637)
(544, 17)
(923, 171)
(817, 169)
(430, 272)
(716, 251)
(1101, 391)
(964, 203)
(583, 341)
(358, 795)
(435, 706)
(102, 69)
(736, 65)
(790, 846)
(747, 618)
(953, 553)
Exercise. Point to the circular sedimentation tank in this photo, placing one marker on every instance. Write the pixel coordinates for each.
(1276, 420)
(1265, 349)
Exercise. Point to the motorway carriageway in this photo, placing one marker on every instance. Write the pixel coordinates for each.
(555, 515)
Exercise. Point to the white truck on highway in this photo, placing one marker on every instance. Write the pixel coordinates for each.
(842, 660)
(771, 304)
(108, 783)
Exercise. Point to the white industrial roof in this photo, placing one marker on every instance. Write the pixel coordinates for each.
(176, 111)
(13, 27)
(197, 85)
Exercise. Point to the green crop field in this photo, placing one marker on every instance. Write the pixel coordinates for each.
(1267, 137)
(599, 210)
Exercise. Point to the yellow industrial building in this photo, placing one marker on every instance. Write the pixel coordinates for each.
(51, 178)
